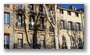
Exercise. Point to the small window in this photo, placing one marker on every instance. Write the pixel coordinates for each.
(77, 14)
(6, 5)
(19, 20)
(69, 12)
(40, 8)
(20, 6)
(6, 41)
(64, 45)
(31, 41)
(42, 41)
(31, 7)
(70, 25)
(41, 22)
(32, 21)
(6, 18)
(62, 24)
(72, 41)
(61, 11)
(20, 41)
(78, 26)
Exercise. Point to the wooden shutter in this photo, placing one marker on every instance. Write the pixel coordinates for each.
(80, 26)
(73, 25)
(11, 41)
(11, 18)
(65, 24)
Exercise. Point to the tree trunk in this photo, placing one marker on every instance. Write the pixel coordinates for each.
(55, 29)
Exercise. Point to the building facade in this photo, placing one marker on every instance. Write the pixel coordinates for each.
(26, 27)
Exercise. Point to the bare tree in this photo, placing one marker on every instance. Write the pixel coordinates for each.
(53, 21)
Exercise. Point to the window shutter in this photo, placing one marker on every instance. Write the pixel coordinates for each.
(80, 26)
(65, 24)
(73, 26)
(11, 41)
(11, 18)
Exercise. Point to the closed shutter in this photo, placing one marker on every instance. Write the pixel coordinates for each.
(11, 41)
(65, 24)
(80, 26)
(11, 18)
(73, 26)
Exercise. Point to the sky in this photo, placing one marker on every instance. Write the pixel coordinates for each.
(68, 5)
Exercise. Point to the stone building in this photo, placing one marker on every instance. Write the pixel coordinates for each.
(26, 27)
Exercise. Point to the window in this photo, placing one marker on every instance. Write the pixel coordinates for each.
(20, 20)
(80, 44)
(6, 18)
(64, 46)
(42, 41)
(32, 21)
(41, 22)
(6, 5)
(69, 12)
(72, 41)
(6, 41)
(31, 41)
(62, 24)
(51, 28)
(20, 41)
(53, 42)
(70, 25)
(40, 8)
(76, 14)
(20, 6)
(78, 26)
(31, 7)
(61, 11)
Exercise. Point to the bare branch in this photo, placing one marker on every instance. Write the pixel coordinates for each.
(48, 16)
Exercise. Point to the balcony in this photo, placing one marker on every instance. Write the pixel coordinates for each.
(19, 26)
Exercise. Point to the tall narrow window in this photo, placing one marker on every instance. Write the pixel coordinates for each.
(31, 41)
(70, 25)
(6, 5)
(6, 41)
(80, 44)
(64, 46)
(77, 14)
(41, 22)
(20, 20)
(32, 21)
(20, 6)
(20, 41)
(42, 41)
(62, 24)
(69, 12)
(72, 42)
(78, 26)
(53, 42)
(61, 11)
(6, 18)
(40, 8)
(31, 7)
